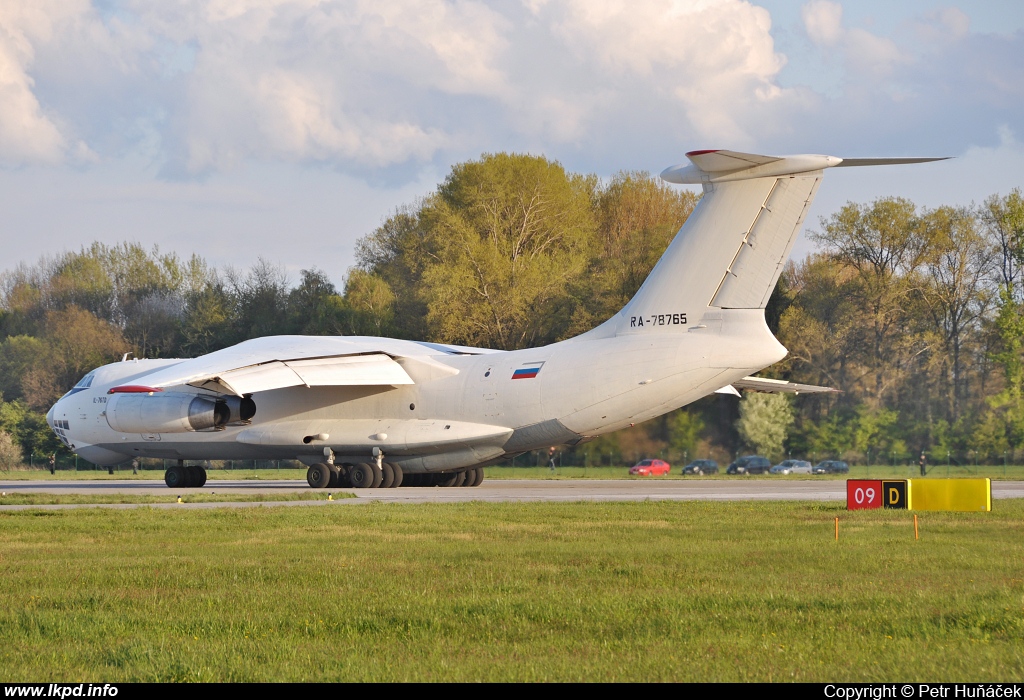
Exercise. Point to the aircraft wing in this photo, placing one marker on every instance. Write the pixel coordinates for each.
(375, 369)
(277, 362)
(775, 386)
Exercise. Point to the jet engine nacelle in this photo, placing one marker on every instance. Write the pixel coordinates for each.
(241, 408)
(166, 413)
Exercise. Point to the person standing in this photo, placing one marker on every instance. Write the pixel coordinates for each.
(53, 462)
(923, 464)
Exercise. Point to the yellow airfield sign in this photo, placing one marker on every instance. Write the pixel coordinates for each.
(920, 494)
(949, 494)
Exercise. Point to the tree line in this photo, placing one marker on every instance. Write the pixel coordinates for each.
(915, 314)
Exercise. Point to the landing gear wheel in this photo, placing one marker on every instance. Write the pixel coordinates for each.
(479, 476)
(362, 476)
(335, 476)
(460, 479)
(378, 476)
(387, 476)
(175, 477)
(472, 477)
(318, 476)
(196, 477)
(345, 476)
(445, 480)
(399, 476)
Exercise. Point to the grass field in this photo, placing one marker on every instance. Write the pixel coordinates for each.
(478, 591)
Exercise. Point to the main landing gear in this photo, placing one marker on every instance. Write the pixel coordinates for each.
(182, 477)
(384, 475)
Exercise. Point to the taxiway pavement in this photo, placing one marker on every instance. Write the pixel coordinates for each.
(524, 490)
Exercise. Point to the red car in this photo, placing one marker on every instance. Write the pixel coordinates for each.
(650, 467)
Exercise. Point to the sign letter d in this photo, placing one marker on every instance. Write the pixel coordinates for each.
(894, 496)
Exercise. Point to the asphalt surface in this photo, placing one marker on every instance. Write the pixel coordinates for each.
(524, 490)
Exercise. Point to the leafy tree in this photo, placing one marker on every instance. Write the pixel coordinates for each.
(507, 236)
(315, 306)
(76, 342)
(822, 324)
(259, 300)
(764, 422)
(831, 436)
(959, 262)
(28, 429)
(371, 303)
(883, 246)
(10, 453)
(206, 321)
(397, 252)
(685, 429)
(19, 355)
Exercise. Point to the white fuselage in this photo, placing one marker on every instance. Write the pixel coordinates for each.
(586, 386)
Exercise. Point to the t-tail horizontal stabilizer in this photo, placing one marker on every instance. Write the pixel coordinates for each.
(716, 165)
(773, 386)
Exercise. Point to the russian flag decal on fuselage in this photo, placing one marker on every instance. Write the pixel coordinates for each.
(528, 371)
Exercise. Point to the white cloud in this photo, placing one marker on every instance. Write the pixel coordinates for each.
(705, 62)
(374, 84)
(324, 81)
(27, 134)
(823, 20)
(390, 86)
(867, 54)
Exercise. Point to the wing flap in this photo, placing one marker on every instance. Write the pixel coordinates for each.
(249, 380)
(371, 369)
(355, 370)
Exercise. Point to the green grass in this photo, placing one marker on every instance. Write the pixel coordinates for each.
(37, 499)
(511, 591)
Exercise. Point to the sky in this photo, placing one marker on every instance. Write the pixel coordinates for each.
(288, 129)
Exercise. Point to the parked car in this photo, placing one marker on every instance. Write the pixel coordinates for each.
(791, 466)
(831, 466)
(650, 467)
(701, 466)
(751, 464)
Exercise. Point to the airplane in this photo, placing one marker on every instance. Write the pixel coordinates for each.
(372, 412)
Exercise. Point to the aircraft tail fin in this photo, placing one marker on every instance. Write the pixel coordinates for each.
(731, 250)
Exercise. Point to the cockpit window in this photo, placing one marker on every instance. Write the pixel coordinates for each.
(83, 384)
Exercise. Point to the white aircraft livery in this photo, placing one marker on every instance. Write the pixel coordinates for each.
(378, 412)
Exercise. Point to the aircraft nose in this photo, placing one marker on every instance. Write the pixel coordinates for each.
(49, 416)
